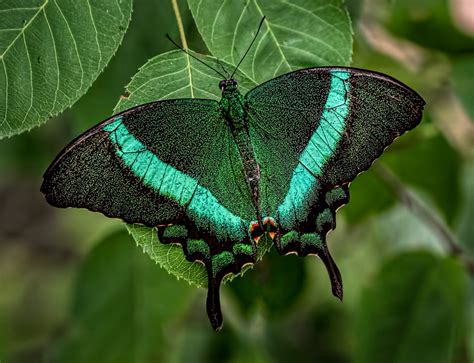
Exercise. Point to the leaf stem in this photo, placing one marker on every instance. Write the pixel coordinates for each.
(410, 202)
(179, 21)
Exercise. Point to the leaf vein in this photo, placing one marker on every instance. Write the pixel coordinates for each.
(6, 97)
(24, 28)
(311, 37)
(268, 24)
(305, 51)
(205, 92)
(277, 68)
(175, 91)
(21, 9)
(56, 59)
(96, 36)
(313, 14)
(256, 51)
(120, 9)
(215, 20)
(31, 80)
(198, 9)
(235, 33)
(75, 44)
(156, 78)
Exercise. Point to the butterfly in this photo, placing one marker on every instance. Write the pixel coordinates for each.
(215, 176)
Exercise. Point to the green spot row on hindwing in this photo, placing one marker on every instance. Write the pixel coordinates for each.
(216, 176)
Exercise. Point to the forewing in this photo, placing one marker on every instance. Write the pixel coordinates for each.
(169, 164)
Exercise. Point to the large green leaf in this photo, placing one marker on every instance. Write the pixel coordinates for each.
(143, 41)
(413, 312)
(121, 307)
(51, 52)
(296, 34)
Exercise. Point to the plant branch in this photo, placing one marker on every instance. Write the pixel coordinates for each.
(410, 202)
(179, 21)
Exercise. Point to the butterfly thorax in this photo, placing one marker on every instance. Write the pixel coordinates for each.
(234, 111)
(232, 106)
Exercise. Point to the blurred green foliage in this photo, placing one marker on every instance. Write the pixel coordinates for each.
(75, 288)
(428, 307)
(463, 78)
(430, 24)
(145, 302)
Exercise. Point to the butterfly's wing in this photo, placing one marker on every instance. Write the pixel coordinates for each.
(168, 164)
(313, 132)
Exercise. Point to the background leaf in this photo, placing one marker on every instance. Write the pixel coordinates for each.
(50, 53)
(463, 82)
(465, 226)
(169, 257)
(296, 34)
(428, 164)
(368, 196)
(120, 308)
(429, 23)
(273, 285)
(470, 320)
(413, 311)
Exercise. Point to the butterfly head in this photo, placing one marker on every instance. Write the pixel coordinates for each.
(228, 85)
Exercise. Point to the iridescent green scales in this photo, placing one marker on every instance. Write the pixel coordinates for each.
(200, 204)
(319, 148)
(198, 246)
(214, 177)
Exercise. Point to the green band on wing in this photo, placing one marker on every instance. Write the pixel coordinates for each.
(198, 246)
(154, 173)
(242, 249)
(221, 261)
(201, 206)
(208, 214)
(321, 146)
(175, 232)
(312, 240)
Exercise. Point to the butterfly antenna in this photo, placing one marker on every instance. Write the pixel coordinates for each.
(250, 46)
(222, 67)
(192, 56)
